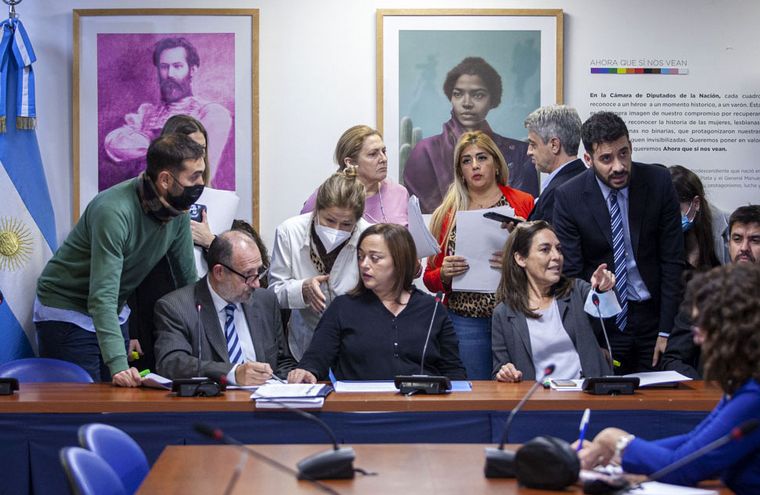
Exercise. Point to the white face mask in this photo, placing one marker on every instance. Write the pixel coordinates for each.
(331, 238)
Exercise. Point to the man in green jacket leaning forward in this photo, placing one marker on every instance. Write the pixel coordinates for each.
(80, 311)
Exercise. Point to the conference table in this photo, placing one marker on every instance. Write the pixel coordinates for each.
(41, 418)
(421, 469)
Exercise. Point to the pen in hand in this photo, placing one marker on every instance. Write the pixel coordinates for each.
(583, 427)
(277, 379)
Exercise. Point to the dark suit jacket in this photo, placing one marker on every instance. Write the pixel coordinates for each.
(544, 209)
(510, 337)
(177, 328)
(582, 222)
(681, 354)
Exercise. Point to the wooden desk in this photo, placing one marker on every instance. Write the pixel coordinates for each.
(42, 418)
(485, 396)
(439, 469)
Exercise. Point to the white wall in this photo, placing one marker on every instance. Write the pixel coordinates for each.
(317, 72)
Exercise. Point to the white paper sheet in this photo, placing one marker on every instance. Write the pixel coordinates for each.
(658, 377)
(220, 211)
(365, 386)
(153, 380)
(388, 386)
(657, 488)
(477, 239)
(426, 244)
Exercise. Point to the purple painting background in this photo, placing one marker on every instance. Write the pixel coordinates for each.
(127, 78)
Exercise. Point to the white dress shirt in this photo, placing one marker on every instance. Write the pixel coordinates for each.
(241, 328)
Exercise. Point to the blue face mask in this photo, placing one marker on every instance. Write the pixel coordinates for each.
(687, 224)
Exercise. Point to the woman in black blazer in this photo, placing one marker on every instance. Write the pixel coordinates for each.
(540, 319)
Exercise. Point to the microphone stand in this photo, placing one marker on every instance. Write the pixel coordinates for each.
(219, 436)
(337, 463)
(500, 462)
(422, 383)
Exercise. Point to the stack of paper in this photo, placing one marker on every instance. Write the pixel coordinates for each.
(426, 244)
(297, 395)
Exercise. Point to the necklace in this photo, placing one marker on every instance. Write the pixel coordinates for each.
(479, 205)
(382, 209)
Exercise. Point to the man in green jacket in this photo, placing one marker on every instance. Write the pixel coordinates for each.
(80, 312)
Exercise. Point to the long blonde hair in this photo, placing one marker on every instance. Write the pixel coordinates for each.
(458, 197)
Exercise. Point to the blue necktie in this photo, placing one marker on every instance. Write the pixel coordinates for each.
(233, 345)
(618, 249)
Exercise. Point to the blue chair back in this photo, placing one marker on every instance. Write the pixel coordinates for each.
(29, 370)
(119, 450)
(88, 474)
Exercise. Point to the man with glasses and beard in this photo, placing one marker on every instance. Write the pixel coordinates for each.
(176, 61)
(224, 320)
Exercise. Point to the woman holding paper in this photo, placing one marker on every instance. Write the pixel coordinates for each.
(362, 147)
(540, 319)
(314, 256)
(379, 329)
(726, 316)
(480, 181)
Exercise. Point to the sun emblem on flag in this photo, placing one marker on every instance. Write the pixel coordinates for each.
(15, 244)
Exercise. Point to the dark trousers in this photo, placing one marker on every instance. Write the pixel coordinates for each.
(634, 347)
(69, 342)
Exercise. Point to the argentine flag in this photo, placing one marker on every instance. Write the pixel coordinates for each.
(27, 223)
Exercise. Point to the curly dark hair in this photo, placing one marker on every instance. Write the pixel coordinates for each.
(602, 127)
(727, 312)
(475, 66)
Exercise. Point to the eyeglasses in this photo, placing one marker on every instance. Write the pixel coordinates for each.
(248, 279)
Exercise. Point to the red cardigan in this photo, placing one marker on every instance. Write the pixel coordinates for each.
(520, 201)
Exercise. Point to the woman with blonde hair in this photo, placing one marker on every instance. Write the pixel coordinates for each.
(314, 255)
(480, 181)
(362, 147)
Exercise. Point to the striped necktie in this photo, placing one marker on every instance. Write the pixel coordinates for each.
(233, 344)
(618, 249)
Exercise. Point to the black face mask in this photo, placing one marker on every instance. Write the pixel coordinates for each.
(186, 198)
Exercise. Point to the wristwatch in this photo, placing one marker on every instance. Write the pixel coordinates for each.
(621, 445)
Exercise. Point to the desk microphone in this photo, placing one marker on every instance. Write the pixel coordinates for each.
(619, 484)
(422, 383)
(500, 462)
(595, 301)
(218, 435)
(609, 385)
(199, 386)
(329, 465)
(7, 385)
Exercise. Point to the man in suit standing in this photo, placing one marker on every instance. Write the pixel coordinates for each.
(625, 214)
(222, 321)
(554, 133)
